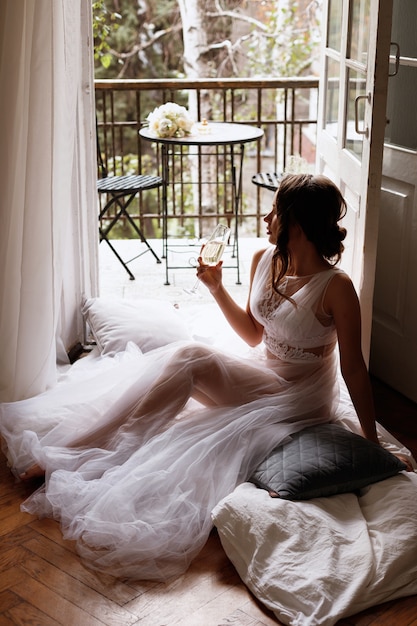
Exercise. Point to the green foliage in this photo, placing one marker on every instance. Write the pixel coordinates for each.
(288, 45)
(104, 25)
(141, 39)
(144, 39)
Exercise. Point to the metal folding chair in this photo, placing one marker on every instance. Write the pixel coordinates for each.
(268, 180)
(121, 191)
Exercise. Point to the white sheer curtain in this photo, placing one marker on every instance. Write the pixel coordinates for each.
(48, 231)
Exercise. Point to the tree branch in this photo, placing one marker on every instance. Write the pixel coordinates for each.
(137, 48)
(143, 46)
(236, 16)
(230, 49)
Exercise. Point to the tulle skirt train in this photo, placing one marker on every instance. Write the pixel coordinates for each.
(139, 501)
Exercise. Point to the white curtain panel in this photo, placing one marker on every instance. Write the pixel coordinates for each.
(48, 231)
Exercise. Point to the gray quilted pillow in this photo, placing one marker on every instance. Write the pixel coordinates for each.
(324, 460)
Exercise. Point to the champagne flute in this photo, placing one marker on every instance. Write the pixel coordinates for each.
(212, 250)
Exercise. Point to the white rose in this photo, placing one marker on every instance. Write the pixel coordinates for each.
(167, 128)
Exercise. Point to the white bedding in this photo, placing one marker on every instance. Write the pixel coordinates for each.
(315, 562)
(310, 562)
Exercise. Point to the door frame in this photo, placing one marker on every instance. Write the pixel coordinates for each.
(359, 180)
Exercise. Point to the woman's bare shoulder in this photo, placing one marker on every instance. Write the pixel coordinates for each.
(340, 292)
(258, 255)
(341, 280)
(256, 259)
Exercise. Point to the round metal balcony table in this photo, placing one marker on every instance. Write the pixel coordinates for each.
(229, 134)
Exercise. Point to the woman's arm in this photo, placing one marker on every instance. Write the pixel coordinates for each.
(241, 320)
(342, 303)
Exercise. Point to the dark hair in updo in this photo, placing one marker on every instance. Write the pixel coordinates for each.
(316, 205)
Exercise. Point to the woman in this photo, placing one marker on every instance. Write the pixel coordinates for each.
(137, 490)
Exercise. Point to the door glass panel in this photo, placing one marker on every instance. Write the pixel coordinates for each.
(334, 31)
(404, 23)
(332, 96)
(356, 87)
(359, 29)
(401, 128)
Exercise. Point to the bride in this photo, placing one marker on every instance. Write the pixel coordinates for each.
(134, 478)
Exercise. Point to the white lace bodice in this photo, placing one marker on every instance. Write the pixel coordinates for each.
(298, 330)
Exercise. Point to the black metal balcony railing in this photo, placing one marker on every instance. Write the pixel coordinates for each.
(286, 109)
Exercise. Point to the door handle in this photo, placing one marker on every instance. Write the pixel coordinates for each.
(396, 58)
(361, 131)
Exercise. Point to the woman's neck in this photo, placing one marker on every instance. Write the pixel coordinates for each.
(305, 261)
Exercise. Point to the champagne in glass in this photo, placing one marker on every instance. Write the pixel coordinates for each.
(213, 250)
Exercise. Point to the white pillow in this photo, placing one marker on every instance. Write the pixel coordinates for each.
(148, 323)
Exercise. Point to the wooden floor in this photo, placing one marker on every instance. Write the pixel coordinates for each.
(43, 582)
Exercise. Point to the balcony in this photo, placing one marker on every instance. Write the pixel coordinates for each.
(150, 276)
(286, 110)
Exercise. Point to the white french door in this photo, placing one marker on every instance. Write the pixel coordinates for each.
(394, 329)
(353, 83)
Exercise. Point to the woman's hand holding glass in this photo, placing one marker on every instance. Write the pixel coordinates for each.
(209, 275)
(209, 259)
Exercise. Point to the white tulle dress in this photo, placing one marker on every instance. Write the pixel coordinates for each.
(137, 495)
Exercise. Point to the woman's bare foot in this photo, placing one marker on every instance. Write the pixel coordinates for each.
(35, 471)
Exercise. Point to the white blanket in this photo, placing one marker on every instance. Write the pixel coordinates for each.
(318, 561)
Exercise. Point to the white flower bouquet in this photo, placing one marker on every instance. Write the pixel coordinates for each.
(170, 120)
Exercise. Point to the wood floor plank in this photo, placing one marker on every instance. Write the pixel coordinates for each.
(8, 509)
(7, 496)
(14, 490)
(8, 600)
(16, 537)
(254, 608)
(110, 587)
(192, 598)
(395, 611)
(210, 562)
(14, 521)
(227, 605)
(400, 612)
(25, 614)
(10, 557)
(7, 499)
(240, 618)
(50, 528)
(55, 606)
(9, 578)
(79, 594)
